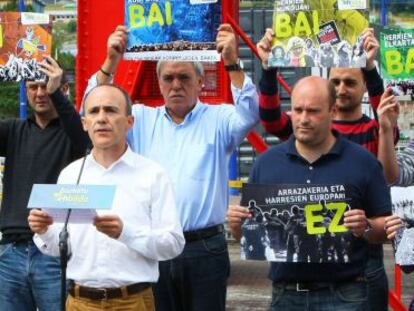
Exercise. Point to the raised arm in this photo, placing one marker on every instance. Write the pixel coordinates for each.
(374, 83)
(273, 119)
(227, 46)
(115, 48)
(236, 121)
(388, 111)
(66, 111)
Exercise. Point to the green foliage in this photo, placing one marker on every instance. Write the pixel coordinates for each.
(9, 100)
(12, 6)
(72, 26)
(66, 60)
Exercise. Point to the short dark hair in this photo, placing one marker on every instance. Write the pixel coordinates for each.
(331, 94)
(127, 99)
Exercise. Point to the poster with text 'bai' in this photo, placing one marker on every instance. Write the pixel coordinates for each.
(296, 223)
(172, 30)
(397, 61)
(318, 33)
(24, 39)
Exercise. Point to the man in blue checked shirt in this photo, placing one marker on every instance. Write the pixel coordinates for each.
(193, 141)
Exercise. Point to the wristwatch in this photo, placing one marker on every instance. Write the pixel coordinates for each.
(234, 67)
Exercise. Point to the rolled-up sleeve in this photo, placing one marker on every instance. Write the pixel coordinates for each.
(243, 116)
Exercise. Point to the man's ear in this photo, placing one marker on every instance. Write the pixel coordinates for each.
(85, 127)
(200, 83)
(334, 111)
(65, 88)
(130, 120)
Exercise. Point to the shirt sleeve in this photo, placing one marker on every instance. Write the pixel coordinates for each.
(239, 119)
(4, 136)
(71, 122)
(405, 161)
(163, 238)
(274, 120)
(48, 242)
(375, 86)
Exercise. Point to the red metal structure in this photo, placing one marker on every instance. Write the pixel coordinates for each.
(97, 19)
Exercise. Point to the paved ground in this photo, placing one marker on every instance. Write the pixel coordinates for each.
(250, 290)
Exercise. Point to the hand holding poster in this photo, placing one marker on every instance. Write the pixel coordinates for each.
(24, 39)
(172, 30)
(397, 60)
(403, 206)
(323, 33)
(296, 223)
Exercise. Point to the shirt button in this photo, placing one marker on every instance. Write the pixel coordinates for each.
(308, 181)
(311, 167)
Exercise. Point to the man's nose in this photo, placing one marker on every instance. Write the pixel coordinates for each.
(304, 117)
(102, 116)
(176, 83)
(41, 91)
(340, 87)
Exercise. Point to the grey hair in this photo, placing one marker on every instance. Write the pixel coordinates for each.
(198, 68)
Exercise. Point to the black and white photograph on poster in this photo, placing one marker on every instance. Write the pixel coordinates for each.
(403, 206)
(328, 33)
(321, 33)
(19, 69)
(296, 223)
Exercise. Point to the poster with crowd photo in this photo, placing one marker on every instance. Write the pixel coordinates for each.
(24, 39)
(318, 33)
(403, 206)
(172, 30)
(296, 223)
(397, 61)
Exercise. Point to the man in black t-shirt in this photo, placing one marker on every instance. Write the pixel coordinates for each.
(36, 150)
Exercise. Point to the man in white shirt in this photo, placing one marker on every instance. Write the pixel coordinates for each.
(114, 261)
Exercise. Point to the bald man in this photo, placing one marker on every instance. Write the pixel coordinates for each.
(317, 155)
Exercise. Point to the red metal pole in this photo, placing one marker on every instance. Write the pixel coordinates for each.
(397, 280)
(251, 45)
(257, 141)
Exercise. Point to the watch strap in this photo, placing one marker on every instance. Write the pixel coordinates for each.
(233, 67)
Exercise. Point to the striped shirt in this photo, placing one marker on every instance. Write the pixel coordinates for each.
(363, 131)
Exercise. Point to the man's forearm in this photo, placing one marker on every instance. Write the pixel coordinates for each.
(386, 155)
(237, 78)
(106, 71)
(375, 86)
(377, 234)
